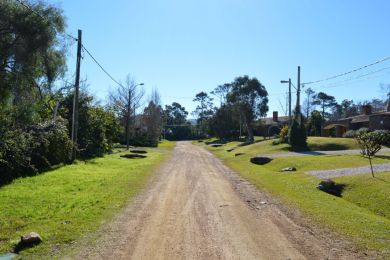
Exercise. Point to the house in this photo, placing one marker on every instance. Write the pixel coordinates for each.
(270, 126)
(373, 121)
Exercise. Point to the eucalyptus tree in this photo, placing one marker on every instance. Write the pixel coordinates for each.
(250, 98)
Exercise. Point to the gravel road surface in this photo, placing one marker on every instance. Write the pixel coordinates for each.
(197, 208)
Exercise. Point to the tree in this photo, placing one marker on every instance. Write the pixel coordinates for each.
(223, 124)
(309, 102)
(250, 99)
(297, 133)
(203, 111)
(325, 101)
(98, 127)
(152, 117)
(370, 143)
(32, 58)
(348, 108)
(314, 123)
(176, 125)
(221, 92)
(125, 100)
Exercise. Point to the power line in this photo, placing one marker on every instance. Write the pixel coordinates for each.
(348, 72)
(43, 18)
(101, 67)
(340, 83)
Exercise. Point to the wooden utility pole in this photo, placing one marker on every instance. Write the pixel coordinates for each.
(289, 101)
(298, 90)
(75, 116)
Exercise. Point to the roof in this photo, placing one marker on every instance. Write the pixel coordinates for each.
(270, 120)
(360, 119)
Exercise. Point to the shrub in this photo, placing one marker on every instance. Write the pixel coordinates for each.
(284, 134)
(385, 136)
(371, 142)
(297, 135)
(25, 152)
(15, 155)
(52, 144)
(349, 134)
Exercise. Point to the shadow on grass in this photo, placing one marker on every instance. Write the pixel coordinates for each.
(335, 190)
(383, 180)
(218, 141)
(386, 157)
(327, 147)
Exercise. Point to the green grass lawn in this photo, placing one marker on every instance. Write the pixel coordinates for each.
(266, 147)
(361, 214)
(64, 204)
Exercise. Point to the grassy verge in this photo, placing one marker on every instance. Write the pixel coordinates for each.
(362, 213)
(266, 147)
(63, 204)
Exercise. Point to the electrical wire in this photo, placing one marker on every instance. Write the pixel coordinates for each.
(101, 67)
(342, 83)
(348, 72)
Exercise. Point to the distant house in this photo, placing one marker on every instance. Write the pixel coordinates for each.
(373, 121)
(270, 126)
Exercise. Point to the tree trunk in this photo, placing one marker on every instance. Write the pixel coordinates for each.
(249, 129)
(372, 170)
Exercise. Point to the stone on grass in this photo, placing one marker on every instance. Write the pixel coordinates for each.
(260, 160)
(133, 156)
(289, 169)
(238, 154)
(326, 184)
(215, 145)
(30, 239)
(331, 187)
(229, 150)
(138, 151)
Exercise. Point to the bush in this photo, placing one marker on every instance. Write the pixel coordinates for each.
(371, 142)
(349, 134)
(36, 148)
(15, 155)
(52, 144)
(284, 134)
(297, 135)
(384, 136)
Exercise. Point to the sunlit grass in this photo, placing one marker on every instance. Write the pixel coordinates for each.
(361, 214)
(63, 204)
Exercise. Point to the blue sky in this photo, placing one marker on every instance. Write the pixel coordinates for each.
(182, 47)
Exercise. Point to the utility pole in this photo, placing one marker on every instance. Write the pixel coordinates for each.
(75, 116)
(298, 90)
(289, 101)
(134, 116)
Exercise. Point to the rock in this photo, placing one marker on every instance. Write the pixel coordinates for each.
(326, 184)
(133, 156)
(215, 145)
(30, 239)
(289, 169)
(331, 187)
(238, 154)
(260, 160)
(138, 151)
(229, 150)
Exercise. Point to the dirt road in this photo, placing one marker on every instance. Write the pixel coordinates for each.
(196, 208)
